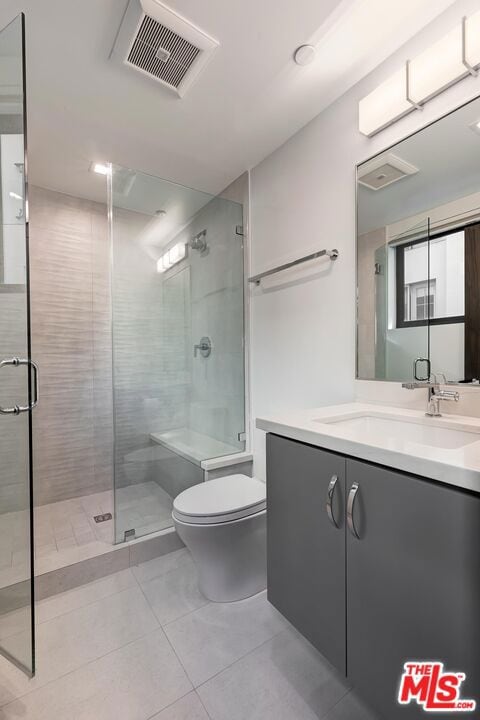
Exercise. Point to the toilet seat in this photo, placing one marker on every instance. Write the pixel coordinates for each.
(222, 500)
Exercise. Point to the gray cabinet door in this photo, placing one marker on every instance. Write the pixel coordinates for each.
(413, 584)
(306, 552)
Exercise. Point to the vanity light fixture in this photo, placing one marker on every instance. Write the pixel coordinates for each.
(454, 57)
(171, 257)
(101, 168)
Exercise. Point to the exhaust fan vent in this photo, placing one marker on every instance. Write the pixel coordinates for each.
(160, 52)
(159, 43)
(123, 181)
(383, 171)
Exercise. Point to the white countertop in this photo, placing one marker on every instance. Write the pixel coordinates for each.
(457, 466)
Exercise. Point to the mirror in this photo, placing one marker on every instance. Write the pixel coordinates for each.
(418, 254)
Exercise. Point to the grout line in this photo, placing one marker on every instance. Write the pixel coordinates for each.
(150, 717)
(325, 717)
(90, 602)
(79, 607)
(203, 704)
(242, 657)
(231, 665)
(80, 667)
(208, 602)
(174, 651)
(188, 559)
(182, 617)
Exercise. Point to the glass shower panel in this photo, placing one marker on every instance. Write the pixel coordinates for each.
(408, 301)
(16, 551)
(178, 342)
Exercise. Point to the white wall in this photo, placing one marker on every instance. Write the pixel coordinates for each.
(303, 197)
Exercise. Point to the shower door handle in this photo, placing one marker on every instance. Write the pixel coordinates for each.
(17, 409)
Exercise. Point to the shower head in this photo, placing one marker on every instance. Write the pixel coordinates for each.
(199, 242)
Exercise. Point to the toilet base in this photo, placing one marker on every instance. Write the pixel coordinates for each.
(230, 557)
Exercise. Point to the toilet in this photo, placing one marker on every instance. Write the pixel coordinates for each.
(223, 524)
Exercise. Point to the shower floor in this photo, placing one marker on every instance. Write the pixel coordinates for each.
(66, 532)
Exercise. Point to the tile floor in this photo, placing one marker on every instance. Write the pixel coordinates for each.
(144, 644)
(66, 533)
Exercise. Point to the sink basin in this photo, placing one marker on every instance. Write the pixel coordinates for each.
(373, 428)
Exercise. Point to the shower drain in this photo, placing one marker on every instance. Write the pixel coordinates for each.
(102, 518)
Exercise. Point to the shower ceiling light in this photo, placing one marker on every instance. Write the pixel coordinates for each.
(449, 60)
(171, 257)
(101, 168)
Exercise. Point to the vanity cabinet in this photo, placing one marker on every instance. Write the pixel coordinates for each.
(306, 547)
(413, 583)
(408, 567)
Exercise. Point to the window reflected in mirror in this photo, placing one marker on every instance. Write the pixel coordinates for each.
(418, 253)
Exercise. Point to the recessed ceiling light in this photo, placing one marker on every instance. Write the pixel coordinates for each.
(101, 168)
(304, 55)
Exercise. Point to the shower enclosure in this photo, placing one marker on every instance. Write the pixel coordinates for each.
(18, 387)
(177, 342)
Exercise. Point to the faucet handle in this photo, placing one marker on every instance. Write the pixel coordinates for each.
(441, 375)
(449, 395)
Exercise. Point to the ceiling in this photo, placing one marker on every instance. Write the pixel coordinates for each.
(248, 101)
(447, 155)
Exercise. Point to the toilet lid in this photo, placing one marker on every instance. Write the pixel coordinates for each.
(220, 500)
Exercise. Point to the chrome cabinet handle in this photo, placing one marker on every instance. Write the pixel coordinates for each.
(17, 409)
(330, 493)
(350, 508)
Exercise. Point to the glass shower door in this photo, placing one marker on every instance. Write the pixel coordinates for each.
(178, 342)
(18, 375)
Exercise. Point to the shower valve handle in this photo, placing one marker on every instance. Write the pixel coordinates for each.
(205, 347)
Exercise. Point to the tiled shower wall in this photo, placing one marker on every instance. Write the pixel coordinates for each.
(71, 342)
(149, 340)
(158, 386)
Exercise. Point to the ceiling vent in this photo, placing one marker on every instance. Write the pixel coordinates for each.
(159, 43)
(383, 171)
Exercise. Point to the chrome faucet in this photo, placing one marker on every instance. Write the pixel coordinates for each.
(435, 393)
